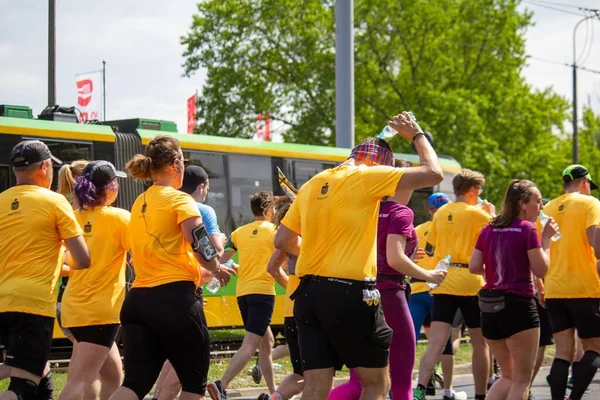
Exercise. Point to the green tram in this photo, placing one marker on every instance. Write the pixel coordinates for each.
(237, 169)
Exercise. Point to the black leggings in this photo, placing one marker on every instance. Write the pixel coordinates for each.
(160, 323)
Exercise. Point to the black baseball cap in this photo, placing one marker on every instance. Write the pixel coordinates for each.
(101, 172)
(577, 171)
(192, 177)
(30, 152)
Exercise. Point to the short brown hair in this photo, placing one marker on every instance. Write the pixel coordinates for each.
(260, 202)
(161, 152)
(465, 180)
(402, 163)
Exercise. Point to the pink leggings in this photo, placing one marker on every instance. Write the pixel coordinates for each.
(402, 351)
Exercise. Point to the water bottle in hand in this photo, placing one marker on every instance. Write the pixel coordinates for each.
(389, 132)
(544, 220)
(214, 285)
(442, 265)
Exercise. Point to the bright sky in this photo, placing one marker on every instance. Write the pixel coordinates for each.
(139, 39)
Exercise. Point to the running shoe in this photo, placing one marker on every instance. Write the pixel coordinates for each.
(570, 383)
(419, 394)
(456, 396)
(256, 373)
(264, 396)
(430, 388)
(530, 396)
(216, 391)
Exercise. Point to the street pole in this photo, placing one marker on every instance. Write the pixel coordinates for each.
(51, 52)
(575, 129)
(344, 73)
(103, 90)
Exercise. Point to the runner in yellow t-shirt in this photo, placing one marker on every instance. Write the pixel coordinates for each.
(454, 232)
(34, 224)
(92, 301)
(572, 282)
(255, 292)
(336, 214)
(161, 317)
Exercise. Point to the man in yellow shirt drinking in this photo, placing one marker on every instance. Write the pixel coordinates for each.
(572, 282)
(454, 232)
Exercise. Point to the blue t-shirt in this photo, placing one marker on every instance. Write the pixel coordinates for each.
(209, 218)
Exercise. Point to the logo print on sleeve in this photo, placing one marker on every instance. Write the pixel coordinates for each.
(449, 217)
(325, 188)
(561, 208)
(255, 232)
(14, 205)
(87, 228)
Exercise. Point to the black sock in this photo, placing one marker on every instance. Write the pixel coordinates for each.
(45, 388)
(574, 367)
(480, 397)
(419, 386)
(559, 375)
(583, 375)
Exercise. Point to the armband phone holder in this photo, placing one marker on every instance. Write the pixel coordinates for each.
(202, 243)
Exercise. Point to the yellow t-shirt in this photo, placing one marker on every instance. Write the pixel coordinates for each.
(33, 223)
(160, 252)
(427, 262)
(255, 245)
(454, 232)
(288, 304)
(572, 272)
(94, 296)
(336, 213)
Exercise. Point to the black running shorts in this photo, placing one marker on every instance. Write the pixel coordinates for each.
(336, 327)
(291, 337)
(545, 328)
(519, 314)
(160, 323)
(29, 338)
(445, 306)
(582, 314)
(256, 310)
(102, 335)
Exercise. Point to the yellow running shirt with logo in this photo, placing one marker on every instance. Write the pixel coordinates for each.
(255, 245)
(427, 262)
(94, 296)
(572, 272)
(34, 221)
(336, 213)
(454, 232)
(159, 250)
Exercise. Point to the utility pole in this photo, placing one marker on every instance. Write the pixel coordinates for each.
(103, 90)
(51, 52)
(344, 73)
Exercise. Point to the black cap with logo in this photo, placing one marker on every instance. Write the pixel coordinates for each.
(192, 177)
(102, 172)
(30, 152)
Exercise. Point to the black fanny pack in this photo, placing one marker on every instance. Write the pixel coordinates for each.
(491, 301)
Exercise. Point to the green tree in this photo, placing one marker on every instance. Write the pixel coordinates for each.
(455, 63)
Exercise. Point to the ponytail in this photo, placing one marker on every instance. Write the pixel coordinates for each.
(66, 178)
(140, 167)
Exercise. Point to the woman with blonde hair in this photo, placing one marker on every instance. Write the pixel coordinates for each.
(67, 175)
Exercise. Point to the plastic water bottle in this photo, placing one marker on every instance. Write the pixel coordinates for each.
(443, 266)
(389, 132)
(214, 285)
(544, 220)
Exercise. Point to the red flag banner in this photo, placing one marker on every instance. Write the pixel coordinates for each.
(89, 95)
(262, 129)
(191, 114)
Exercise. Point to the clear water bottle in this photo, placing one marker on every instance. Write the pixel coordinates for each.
(442, 265)
(544, 220)
(214, 285)
(389, 132)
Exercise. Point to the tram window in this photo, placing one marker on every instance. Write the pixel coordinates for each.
(249, 175)
(4, 177)
(304, 170)
(418, 204)
(214, 165)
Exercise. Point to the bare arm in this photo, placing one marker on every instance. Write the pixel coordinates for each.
(217, 241)
(429, 172)
(287, 240)
(538, 261)
(476, 263)
(226, 256)
(79, 255)
(394, 251)
(274, 267)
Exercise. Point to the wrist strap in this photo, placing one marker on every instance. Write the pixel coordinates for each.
(417, 135)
